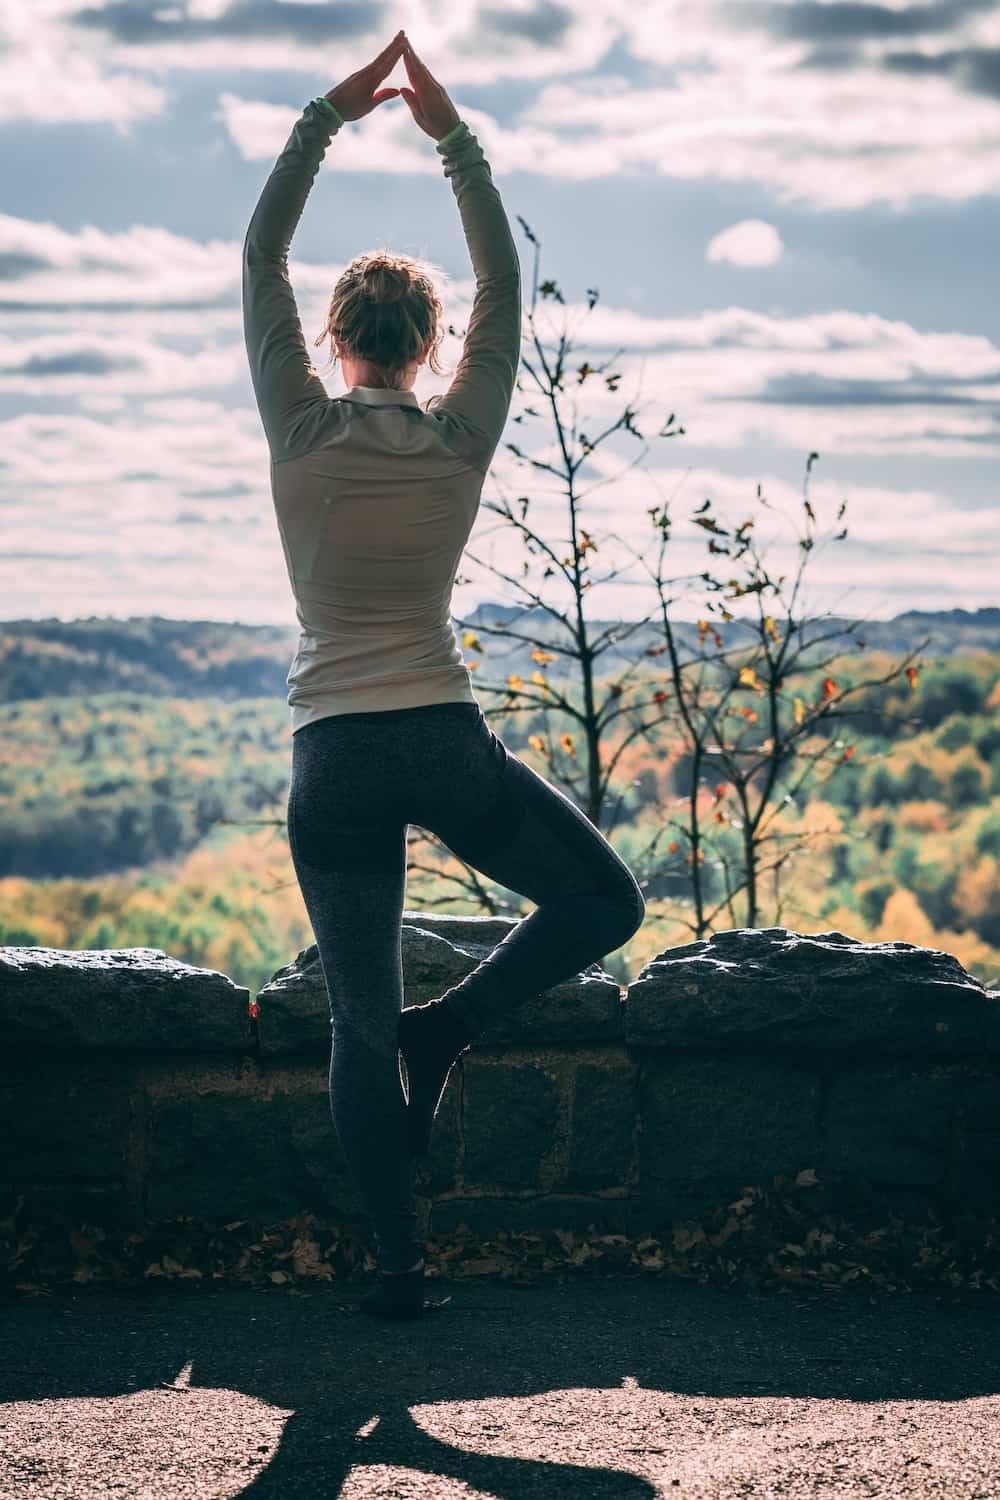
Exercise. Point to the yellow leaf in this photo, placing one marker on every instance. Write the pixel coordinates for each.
(771, 628)
(748, 677)
(471, 640)
(800, 711)
(514, 681)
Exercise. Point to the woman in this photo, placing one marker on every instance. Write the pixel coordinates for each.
(375, 497)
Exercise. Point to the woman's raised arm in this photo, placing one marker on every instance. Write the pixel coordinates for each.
(480, 394)
(290, 395)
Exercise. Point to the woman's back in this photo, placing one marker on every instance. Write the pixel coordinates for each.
(373, 524)
(375, 496)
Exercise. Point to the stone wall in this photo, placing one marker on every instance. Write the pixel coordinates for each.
(135, 1088)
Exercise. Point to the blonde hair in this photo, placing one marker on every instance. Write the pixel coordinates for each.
(385, 308)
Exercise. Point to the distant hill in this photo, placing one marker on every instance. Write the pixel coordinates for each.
(207, 658)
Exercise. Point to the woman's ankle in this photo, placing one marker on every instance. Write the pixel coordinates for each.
(408, 1271)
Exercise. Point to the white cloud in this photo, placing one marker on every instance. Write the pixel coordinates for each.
(751, 242)
(50, 73)
(842, 380)
(821, 141)
(138, 511)
(746, 97)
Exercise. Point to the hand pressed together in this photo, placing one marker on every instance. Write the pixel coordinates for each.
(429, 104)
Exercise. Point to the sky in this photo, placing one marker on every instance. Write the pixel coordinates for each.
(790, 210)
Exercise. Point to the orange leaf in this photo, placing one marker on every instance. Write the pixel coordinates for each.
(913, 673)
(829, 688)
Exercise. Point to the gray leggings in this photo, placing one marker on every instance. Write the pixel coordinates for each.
(357, 781)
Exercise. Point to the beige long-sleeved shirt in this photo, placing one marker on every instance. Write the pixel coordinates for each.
(376, 495)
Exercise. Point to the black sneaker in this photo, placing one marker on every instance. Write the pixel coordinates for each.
(400, 1296)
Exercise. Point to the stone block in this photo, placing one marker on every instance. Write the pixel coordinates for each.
(993, 1023)
(134, 1000)
(772, 989)
(294, 1009)
(440, 1170)
(603, 1136)
(244, 1150)
(974, 1175)
(889, 1126)
(511, 1112)
(711, 1125)
(72, 1143)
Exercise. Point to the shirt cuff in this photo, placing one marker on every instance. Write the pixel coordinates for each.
(453, 131)
(325, 104)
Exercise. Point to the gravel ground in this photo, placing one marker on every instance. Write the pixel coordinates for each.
(618, 1388)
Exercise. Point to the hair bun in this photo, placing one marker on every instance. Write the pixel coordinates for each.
(384, 282)
(386, 310)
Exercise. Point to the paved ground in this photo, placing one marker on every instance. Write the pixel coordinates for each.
(620, 1389)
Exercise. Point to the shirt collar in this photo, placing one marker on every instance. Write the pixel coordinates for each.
(371, 395)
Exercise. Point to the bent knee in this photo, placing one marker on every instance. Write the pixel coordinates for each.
(628, 906)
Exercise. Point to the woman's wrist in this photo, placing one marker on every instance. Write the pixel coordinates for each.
(328, 107)
(453, 131)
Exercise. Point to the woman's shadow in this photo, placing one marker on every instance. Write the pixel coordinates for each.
(284, 1394)
(340, 1385)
